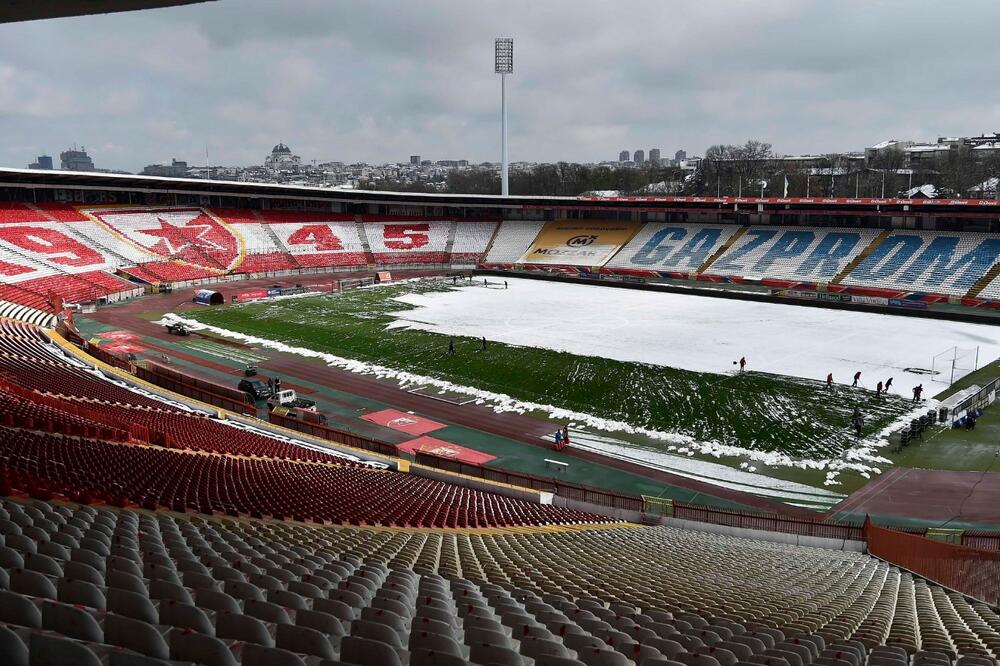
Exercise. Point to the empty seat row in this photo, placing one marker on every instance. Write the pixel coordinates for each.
(116, 582)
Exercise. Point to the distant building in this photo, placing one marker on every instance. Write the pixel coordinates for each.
(654, 156)
(281, 159)
(680, 156)
(452, 163)
(638, 157)
(623, 156)
(76, 160)
(414, 160)
(41, 162)
(176, 169)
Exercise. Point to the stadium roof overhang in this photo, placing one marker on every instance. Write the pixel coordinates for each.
(38, 179)
(12, 11)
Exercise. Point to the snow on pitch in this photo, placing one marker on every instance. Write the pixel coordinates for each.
(700, 333)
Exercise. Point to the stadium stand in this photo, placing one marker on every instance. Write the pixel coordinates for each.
(321, 244)
(936, 262)
(42, 247)
(61, 409)
(511, 241)
(471, 241)
(402, 242)
(90, 585)
(811, 254)
(671, 248)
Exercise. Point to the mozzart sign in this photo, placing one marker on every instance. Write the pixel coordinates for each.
(578, 242)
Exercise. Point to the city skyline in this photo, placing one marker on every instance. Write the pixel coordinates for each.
(376, 82)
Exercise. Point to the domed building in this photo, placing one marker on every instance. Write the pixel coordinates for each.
(281, 159)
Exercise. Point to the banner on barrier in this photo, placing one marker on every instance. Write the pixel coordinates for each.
(901, 303)
(870, 300)
(579, 242)
(251, 295)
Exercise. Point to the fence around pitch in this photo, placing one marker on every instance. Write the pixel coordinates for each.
(600, 497)
(333, 434)
(981, 539)
(178, 384)
(769, 522)
(971, 571)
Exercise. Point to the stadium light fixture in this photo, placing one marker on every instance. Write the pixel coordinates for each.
(503, 59)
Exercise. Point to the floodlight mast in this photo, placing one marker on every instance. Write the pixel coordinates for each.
(503, 65)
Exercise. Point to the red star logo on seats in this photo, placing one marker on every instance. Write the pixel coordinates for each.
(189, 235)
(177, 239)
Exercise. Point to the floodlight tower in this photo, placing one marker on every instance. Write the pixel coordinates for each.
(504, 65)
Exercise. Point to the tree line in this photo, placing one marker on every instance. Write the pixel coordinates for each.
(560, 179)
(748, 169)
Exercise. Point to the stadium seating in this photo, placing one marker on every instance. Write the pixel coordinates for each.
(810, 254)
(61, 212)
(680, 248)
(928, 261)
(471, 241)
(313, 243)
(342, 493)
(403, 242)
(12, 211)
(110, 583)
(512, 240)
(77, 409)
(172, 245)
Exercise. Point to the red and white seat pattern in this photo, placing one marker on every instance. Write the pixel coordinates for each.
(53, 252)
(471, 241)
(321, 242)
(396, 242)
(261, 249)
(41, 258)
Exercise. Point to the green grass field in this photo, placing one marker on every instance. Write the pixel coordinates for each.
(752, 411)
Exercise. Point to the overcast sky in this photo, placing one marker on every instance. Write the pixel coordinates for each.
(376, 81)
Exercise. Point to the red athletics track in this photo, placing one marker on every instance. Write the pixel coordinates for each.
(516, 427)
(929, 495)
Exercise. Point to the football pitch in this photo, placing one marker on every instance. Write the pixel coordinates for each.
(637, 362)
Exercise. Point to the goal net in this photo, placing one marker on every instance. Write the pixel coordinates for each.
(952, 364)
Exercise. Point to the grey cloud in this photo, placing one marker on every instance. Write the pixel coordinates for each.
(377, 81)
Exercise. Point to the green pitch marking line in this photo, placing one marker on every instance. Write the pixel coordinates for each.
(444, 395)
(223, 351)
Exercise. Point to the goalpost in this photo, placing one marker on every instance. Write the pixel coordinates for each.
(955, 363)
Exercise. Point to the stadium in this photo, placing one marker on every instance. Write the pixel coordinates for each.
(409, 502)
(270, 424)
